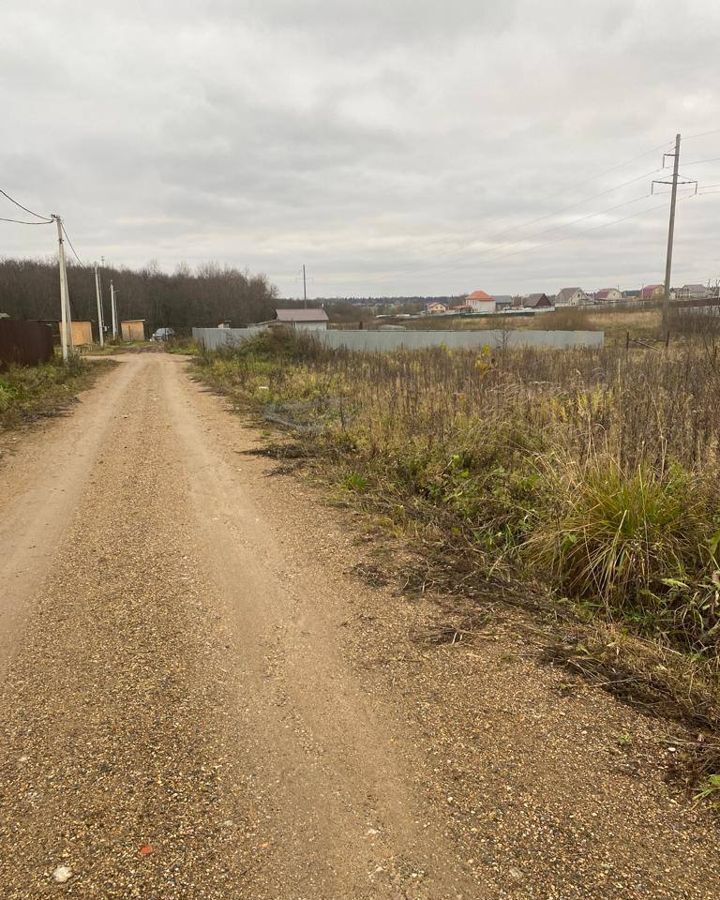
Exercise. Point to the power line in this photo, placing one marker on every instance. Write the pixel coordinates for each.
(621, 165)
(579, 219)
(24, 208)
(584, 200)
(574, 205)
(702, 134)
(699, 162)
(568, 237)
(22, 222)
(71, 245)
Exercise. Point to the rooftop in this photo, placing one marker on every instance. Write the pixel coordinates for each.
(301, 315)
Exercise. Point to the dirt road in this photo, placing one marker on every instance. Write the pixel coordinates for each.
(198, 701)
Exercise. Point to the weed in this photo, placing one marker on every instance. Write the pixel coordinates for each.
(593, 472)
(30, 392)
(710, 789)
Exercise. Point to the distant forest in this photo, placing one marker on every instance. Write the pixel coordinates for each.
(29, 289)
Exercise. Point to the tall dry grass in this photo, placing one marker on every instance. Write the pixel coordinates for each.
(595, 471)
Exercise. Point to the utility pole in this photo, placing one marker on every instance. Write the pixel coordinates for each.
(671, 226)
(304, 288)
(113, 309)
(65, 316)
(98, 295)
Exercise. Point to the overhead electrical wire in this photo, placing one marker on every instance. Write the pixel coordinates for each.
(700, 134)
(568, 237)
(699, 162)
(558, 212)
(67, 236)
(47, 219)
(620, 165)
(573, 222)
(22, 222)
(603, 193)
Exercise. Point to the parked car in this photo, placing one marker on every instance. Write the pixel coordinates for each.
(163, 334)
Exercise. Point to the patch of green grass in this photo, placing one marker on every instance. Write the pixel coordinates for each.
(30, 392)
(354, 481)
(182, 345)
(710, 789)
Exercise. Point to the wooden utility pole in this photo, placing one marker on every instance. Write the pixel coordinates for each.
(304, 288)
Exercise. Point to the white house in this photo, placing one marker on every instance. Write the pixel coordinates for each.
(303, 319)
(692, 292)
(481, 302)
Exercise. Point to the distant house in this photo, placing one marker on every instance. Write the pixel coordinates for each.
(631, 295)
(571, 296)
(536, 301)
(652, 292)
(503, 301)
(302, 319)
(692, 292)
(436, 309)
(479, 301)
(607, 295)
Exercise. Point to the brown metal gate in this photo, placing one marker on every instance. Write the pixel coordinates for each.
(24, 343)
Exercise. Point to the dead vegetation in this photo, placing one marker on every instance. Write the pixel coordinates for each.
(579, 486)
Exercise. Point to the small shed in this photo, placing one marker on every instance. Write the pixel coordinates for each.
(80, 332)
(303, 319)
(133, 330)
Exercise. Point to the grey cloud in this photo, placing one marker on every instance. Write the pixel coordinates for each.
(387, 144)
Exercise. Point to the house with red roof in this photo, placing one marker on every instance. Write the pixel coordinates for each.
(652, 292)
(607, 295)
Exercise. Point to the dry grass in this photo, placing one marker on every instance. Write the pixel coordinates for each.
(590, 477)
(644, 323)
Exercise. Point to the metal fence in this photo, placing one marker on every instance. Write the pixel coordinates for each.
(24, 343)
(214, 338)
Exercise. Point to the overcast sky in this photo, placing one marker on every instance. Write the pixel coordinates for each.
(394, 146)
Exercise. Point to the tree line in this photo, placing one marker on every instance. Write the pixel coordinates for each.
(204, 297)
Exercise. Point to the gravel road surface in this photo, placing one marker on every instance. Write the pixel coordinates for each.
(200, 700)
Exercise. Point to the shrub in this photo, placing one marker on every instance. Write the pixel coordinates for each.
(634, 543)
